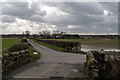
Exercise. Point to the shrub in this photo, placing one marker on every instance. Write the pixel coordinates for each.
(69, 45)
(18, 47)
(24, 40)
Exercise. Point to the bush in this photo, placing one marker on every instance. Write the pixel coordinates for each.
(69, 45)
(18, 47)
(24, 40)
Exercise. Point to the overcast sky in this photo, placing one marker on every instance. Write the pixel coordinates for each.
(70, 17)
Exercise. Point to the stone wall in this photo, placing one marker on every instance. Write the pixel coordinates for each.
(14, 59)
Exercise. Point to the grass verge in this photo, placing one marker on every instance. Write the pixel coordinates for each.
(59, 49)
(33, 57)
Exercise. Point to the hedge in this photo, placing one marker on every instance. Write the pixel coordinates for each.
(69, 45)
(18, 47)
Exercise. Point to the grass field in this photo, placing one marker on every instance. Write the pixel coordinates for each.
(7, 42)
(113, 43)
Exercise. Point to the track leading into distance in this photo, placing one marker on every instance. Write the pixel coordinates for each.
(52, 64)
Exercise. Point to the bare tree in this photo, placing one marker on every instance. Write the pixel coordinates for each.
(45, 34)
(40, 33)
(27, 33)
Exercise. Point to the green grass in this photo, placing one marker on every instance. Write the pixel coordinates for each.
(33, 57)
(57, 48)
(113, 43)
(8, 42)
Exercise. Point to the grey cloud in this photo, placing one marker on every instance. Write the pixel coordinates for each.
(79, 15)
(85, 15)
(111, 6)
(22, 10)
(8, 19)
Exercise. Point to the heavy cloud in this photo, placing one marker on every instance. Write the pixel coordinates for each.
(71, 17)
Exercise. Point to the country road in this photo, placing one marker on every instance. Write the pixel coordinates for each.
(52, 64)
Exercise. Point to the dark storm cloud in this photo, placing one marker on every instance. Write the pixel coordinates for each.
(90, 17)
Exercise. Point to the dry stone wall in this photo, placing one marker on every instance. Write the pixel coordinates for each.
(14, 59)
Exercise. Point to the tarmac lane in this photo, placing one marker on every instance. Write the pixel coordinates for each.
(52, 64)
